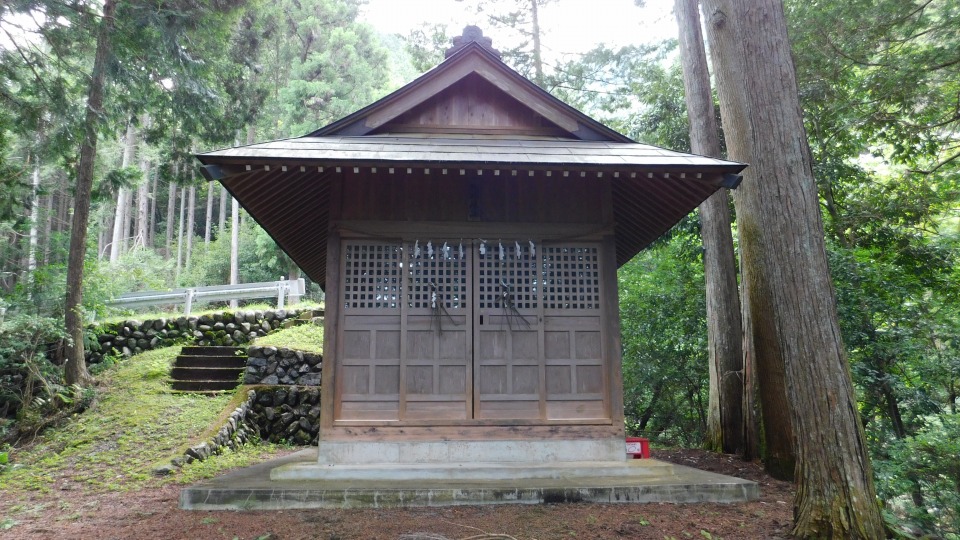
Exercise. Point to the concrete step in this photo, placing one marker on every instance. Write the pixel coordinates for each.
(639, 481)
(196, 350)
(203, 386)
(206, 373)
(211, 361)
(471, 472)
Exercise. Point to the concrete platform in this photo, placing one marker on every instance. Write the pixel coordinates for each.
(298, 485)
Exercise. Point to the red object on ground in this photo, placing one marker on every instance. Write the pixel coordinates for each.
(638, 447)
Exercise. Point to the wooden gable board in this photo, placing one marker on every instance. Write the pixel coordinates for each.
(472, 59)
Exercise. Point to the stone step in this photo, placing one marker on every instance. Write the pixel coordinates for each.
(206, 373)
(211, 361)
(203, 386)
(196, 350)
(475, 472)
(636, 481)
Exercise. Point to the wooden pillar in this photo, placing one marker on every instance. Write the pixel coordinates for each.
(332, 306)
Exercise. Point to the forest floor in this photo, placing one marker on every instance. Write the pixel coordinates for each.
(70, 510)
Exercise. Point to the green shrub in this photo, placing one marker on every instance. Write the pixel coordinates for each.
(26, 372)
(923, 469)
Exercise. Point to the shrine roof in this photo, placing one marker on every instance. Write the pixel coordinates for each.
(471, 112)
(475, 150)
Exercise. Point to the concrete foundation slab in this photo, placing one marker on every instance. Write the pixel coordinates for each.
(494, 451)
(299, 486)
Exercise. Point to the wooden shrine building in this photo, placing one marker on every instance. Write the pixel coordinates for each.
(467, 229)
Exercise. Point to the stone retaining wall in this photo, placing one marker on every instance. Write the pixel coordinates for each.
(274, 413)
(277, 365)
(225, 328)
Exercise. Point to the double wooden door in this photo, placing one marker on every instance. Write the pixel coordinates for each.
(443, 331)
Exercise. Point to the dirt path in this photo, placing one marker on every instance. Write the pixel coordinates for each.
(153, 514)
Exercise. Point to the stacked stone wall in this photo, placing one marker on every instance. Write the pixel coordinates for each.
(134, 336)
(278, 365)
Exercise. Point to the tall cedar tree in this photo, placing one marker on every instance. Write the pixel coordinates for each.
(790, 294)
(75, 368)
(725, 422)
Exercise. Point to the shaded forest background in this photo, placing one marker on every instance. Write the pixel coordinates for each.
(880, 91)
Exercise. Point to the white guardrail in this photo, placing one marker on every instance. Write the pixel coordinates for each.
(217, 293)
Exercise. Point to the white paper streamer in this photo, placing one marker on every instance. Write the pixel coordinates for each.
(416, 249)
(433, 300)
(533, 250)
(519, 250)
(483, 248)
(446, 251)
(502, 252)
(430, 250)
(461, 251)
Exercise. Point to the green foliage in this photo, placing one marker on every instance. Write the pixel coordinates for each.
(320, 65)
(426, 46)
(136, 425)
(26, 373)
(919, 477)
(878, 84)
(663, 329)
(259, 259)
(304, 337)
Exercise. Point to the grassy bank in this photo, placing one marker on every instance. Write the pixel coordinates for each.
(134, 425)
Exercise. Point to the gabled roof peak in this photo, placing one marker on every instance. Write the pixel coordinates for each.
(472, 34)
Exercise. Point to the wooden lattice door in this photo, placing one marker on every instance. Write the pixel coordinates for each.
(436, 374)
(443, 331)
(406, 340)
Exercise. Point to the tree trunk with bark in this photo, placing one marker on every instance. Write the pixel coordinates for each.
(222, 216)
(152, 221)
(183, 205)
(191, 224)
(779, 449)
(209, 222)
(535, 36)
(75, 366)
(143, 206)
(725, 419)
(34, 234)
(123, 196)
(171, 210)
(791, 298)
(234, 246)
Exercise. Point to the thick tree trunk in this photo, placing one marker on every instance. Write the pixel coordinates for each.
(725, 419)
(751, 435)
(791, 299)
(209, 223)
(779, 451)
(75, 366)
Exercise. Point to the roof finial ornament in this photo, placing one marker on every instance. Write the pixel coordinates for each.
(472, 33)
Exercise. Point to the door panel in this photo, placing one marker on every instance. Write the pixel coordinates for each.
(369, 364)
(439, 330)
(507, 327)
(576, 381)
(437, 358)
